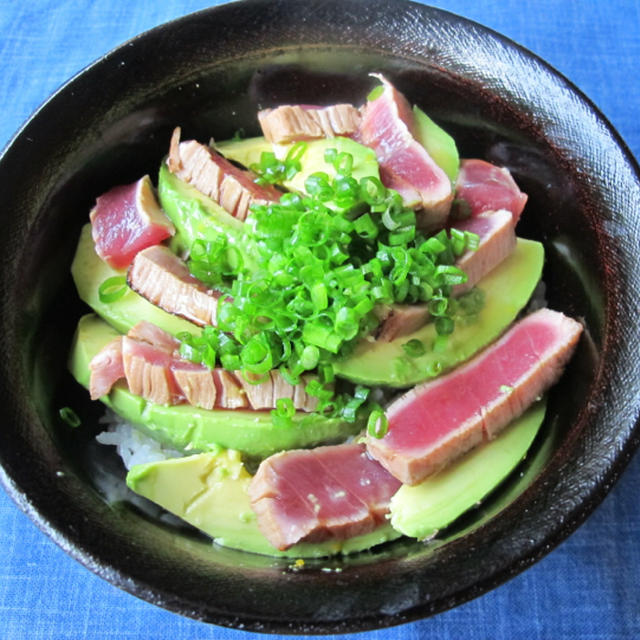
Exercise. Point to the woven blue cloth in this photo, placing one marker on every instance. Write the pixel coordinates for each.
(587, 588)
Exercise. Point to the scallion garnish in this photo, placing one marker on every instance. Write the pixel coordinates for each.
(112, 289)
(310, 276)
(377, 424)
(272, 170)
(414, 348)
(70, 417)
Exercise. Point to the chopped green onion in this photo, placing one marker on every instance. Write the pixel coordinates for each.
(271, 170)
(378, 423)
(70, 417)
(112, 289)
(444, 326)
(330, 155)
(372, 191)
(310, 356)
(414, 348)
(365, 227)
(304, 282)
(256, 356)
(473, 240)
(438, 305)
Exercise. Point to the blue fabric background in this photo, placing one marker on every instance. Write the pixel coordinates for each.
(587, 588)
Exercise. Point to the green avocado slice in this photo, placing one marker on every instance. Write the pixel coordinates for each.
(89, 272)
(422, 510)
(189, 428)
(438, 143)
(507, 289)
(365, 163)
(209, 491)
(248, 152)
(195, 215)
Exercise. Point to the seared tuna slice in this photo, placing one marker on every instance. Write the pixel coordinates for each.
(333, 492)
(127, 219)
(401, 320)
(152, 334)
(196, 383)
(149, 359)
(438, 421)
(106, 369)
(148, 372)
(232, 188)
(230, 392)
(497, 240)
(158, 275)
(265, 393)
(289, 123)
(387, 127)
(485, 187)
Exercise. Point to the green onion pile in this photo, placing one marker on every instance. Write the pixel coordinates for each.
(329, 264)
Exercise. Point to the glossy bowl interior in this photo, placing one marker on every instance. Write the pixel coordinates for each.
(209, 73)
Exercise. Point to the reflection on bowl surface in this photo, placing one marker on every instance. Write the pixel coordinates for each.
(209, 73)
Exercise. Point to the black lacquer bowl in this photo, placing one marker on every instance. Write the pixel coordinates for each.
(209, 72)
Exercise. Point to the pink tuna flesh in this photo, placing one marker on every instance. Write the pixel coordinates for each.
(289, 123)
(438, 421)
(232, 188)
(497, 240)
(150, 333)
(127, 219)
(106, 368)
(158, 275)
(485, 187)
(324, 493)
(387, 127)
(148, 372)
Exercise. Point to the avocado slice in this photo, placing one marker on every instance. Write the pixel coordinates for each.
(438, 143)
(507, 289)
(209, 491)
(422, 510)
(248, 152)
(195, 215)
(190, 428)
(89, 272)
(365, 163)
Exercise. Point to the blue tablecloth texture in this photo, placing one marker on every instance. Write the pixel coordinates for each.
(587, 588)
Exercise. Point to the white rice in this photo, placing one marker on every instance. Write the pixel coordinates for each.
(132, 445)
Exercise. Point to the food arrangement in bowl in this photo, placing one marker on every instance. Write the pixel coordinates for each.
(323, 303)
(323, 332)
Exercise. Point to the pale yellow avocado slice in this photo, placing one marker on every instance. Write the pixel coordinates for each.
(422, 510)
(507, 290)
(209, 491)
